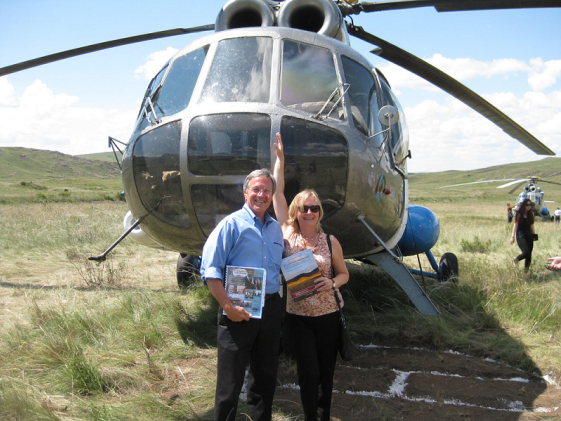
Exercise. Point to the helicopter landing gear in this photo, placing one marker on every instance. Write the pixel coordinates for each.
(187, 269)
(448, 268)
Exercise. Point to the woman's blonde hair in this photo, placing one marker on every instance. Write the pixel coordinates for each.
(297, 202)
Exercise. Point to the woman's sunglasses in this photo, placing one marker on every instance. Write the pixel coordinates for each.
(313, 208)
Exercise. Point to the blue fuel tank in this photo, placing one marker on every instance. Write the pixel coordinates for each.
(421, 232)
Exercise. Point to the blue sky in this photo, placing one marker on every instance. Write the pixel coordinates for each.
(512, 58)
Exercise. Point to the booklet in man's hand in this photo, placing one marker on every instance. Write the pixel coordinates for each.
(300, 271)
(246, 288)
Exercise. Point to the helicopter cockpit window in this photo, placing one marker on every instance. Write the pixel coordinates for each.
(362, 97)
(400, 134)
(240, 71)
(315, 155)
(175, 93)
(157, 175)
(308, 78)
(142, 122)
(213, 202)
(229, 144)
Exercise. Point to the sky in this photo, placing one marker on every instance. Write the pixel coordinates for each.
(512, 58)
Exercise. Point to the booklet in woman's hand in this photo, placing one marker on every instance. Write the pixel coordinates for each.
(300, 271)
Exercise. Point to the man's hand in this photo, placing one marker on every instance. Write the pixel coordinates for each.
(236, 314)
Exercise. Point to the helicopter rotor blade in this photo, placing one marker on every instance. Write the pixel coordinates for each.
(446, 5)
(98, 47)
(516, 187)
(520, 180)
(550, 182)
(461, 92)
(476, 182)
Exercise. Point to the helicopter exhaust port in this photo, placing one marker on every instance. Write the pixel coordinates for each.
(244, 14)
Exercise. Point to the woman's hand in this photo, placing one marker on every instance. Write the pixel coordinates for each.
(278, 147)
(323, 284)
(512, 240)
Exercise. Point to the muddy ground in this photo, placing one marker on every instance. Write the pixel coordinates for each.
(421, 385)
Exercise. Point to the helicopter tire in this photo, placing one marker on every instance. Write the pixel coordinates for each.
(448, 268)
(187, 269)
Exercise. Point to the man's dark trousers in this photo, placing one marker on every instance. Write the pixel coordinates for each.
(256, 341)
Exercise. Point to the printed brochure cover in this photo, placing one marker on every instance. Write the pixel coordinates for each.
(300, 271)
(246, 288)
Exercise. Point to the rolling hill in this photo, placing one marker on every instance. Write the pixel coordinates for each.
(31, 170)
(31, 175)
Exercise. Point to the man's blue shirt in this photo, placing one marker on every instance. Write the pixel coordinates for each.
(241, 239)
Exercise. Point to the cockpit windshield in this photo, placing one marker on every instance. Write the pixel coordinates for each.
(240, 72)
(308, 78)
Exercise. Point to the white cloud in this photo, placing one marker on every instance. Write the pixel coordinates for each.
(467, 68)
(452, 136)
(156, 61)
(7, 93)
(544, 75)
(446, 134)
(541, 75)
(41, 119)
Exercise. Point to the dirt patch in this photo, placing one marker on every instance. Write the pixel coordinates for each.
(422, 385)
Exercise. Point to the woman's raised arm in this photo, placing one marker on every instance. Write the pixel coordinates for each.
(279, 200)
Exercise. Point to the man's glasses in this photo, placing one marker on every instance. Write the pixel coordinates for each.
(257, 190)
(313, 208)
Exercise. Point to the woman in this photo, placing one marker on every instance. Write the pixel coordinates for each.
(525, 233)
(314, 322)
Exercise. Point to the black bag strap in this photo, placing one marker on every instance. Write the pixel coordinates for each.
(334, 290)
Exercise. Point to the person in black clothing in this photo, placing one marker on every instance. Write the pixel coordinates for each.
(525, 233)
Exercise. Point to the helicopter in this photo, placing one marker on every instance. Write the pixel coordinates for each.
(209, 116)
(531, 191)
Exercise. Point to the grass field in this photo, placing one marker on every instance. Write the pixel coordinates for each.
(120, 341)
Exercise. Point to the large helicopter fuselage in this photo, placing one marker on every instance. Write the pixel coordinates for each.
(210, 116)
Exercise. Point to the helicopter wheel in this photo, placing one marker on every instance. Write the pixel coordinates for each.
(448, 268)
(187, 269)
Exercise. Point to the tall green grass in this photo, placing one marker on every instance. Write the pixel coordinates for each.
(131, 346)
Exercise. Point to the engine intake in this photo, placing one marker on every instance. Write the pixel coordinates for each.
(244, 14)
(320, 16)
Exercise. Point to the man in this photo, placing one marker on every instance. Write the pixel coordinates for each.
(557, 214)
(249, 237)
(509, 214)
